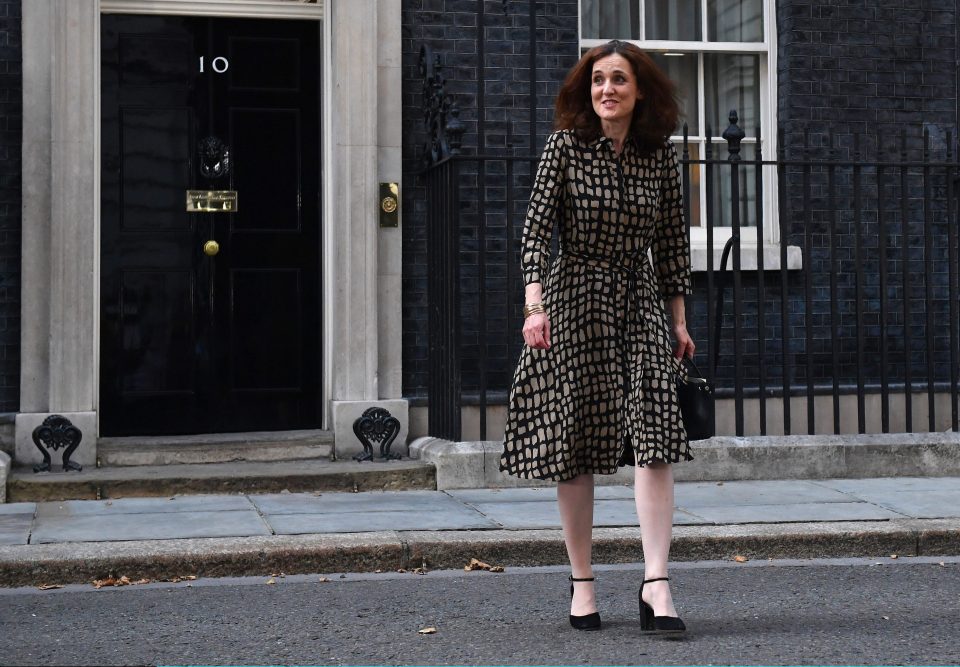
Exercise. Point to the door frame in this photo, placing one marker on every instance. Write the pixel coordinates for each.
(262, 9)
(361, 287)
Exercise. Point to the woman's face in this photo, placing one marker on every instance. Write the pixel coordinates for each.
(614, 88)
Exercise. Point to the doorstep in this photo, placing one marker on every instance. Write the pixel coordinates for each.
(23, 485)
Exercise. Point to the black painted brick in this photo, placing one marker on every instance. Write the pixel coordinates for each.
(11, 115)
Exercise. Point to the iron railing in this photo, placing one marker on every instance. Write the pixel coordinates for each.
(873, 310)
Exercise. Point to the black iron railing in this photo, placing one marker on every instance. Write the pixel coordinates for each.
(872, 311)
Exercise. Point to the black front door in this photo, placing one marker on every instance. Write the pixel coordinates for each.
(200, 337)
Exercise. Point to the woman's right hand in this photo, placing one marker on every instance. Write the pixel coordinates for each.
(536, 331)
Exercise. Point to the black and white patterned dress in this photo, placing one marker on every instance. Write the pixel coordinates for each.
(607, 381)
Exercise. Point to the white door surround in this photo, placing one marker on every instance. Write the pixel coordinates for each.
(61, 205)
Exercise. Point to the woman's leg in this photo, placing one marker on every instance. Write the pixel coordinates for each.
(653, 490)
(575, 499)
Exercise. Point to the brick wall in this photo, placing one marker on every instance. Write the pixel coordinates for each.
(452, 29)
(10, 177)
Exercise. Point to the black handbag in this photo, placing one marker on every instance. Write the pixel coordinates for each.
(695, 394)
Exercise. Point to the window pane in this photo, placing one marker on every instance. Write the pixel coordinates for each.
(735, 20)
(693, 173)
(609, 19)
(723, 187)
(682, 70)
(673, 19)
(732, 82)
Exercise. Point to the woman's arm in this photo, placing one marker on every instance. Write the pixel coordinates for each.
(542, 211)
(678, 315)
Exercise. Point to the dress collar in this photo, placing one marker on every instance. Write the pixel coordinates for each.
(607, 142)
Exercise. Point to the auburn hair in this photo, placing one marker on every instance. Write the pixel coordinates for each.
(654, 117)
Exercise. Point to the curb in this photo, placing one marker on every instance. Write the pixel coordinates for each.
(69, 563)
(475, 464)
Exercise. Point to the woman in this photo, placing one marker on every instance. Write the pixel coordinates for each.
(596, 378)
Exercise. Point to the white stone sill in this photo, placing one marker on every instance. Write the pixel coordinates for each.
(748, 257)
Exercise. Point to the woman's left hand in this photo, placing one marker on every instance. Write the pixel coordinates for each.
(684, 346)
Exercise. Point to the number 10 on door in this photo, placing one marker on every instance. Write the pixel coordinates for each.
(218, 64)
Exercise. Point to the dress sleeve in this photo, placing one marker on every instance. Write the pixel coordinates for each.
(671, 246)
(545, 205)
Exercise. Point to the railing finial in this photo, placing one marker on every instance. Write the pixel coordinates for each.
(440, 113)
(733, 135)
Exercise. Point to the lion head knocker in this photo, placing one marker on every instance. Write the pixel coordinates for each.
(214, 158)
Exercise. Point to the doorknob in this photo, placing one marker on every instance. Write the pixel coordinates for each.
(211, 248)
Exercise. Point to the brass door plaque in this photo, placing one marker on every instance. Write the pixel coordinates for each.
(211, 201)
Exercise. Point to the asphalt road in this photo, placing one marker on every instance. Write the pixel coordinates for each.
(850, 611)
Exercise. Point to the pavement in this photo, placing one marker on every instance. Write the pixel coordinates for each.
(242, 534)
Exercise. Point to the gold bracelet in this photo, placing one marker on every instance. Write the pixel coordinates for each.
(532, 309)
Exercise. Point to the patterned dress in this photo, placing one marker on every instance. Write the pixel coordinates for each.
(607, 383)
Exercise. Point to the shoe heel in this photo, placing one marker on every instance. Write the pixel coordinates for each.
(646, 616)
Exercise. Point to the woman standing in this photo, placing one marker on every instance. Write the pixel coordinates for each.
(595, 386)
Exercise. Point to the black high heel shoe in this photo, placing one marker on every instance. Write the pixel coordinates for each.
(588, 622)
(661, 625)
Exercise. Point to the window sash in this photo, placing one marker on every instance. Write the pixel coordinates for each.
(767, 111)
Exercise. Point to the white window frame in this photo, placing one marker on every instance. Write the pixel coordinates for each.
(768, 119)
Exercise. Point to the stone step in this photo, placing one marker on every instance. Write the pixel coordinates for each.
(215, 448)
(24, 485)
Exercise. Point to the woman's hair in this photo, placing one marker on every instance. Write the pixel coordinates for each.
(654, 117)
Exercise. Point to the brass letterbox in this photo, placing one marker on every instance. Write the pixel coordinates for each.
(211, 201)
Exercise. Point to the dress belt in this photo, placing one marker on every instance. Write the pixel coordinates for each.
(632, 274)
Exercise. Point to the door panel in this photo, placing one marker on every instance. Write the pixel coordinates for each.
(194, 343)
(158, 331)
(156, 163)
(273, 132)
(266, 315)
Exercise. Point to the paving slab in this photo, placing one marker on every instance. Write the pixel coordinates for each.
(925, 505)
(508, 495)
(850, 511)
(155, 526)
(755, 492)
(533, 494)
(366, 502)
(18, 508)
(356, 522)
(529, 515)
(15, 528)
(209, 503)
(881, 485)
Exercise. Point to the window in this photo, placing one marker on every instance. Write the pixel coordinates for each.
(722, 56)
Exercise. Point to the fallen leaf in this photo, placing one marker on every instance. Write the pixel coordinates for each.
(48, 587)
(324, 580)
(476, 564)
(271, 580)
(741, 559)
(427, 631)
